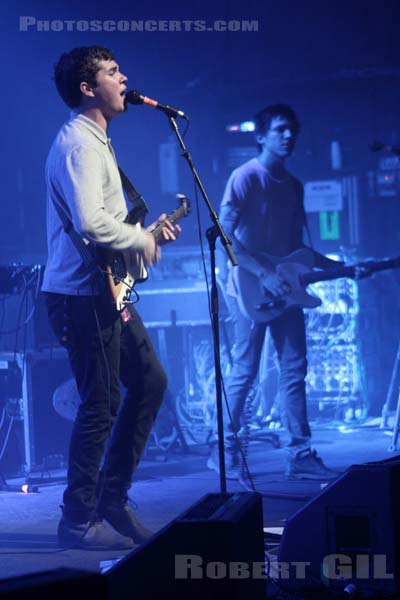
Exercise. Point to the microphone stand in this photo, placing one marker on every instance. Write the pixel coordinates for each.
(213, 233)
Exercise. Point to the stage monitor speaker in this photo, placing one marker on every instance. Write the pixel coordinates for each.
(348, 535)
(60, 583)
(213, 550)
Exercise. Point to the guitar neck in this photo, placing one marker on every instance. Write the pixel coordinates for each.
(353, 271)
(172, 218)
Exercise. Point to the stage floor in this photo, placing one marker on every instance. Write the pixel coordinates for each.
(165, 486)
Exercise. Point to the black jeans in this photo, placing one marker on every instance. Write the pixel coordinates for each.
(288, 334)
(103, 350)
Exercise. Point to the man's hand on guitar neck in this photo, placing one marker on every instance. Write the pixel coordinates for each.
(169, 233)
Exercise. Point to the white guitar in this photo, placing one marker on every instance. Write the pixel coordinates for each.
(257, 304)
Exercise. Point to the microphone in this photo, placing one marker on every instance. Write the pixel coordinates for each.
(377, 146)
(135, 97)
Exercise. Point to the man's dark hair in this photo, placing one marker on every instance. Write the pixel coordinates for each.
(80, 64)
(263, 119)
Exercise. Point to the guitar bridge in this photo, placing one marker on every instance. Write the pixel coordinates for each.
(277, 303)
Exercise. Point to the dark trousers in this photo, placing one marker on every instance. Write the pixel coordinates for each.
(103, 350)
(288, 334)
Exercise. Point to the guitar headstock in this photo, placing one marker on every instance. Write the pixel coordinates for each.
(184, 205)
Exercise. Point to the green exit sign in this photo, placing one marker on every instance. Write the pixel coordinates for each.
(329, 225)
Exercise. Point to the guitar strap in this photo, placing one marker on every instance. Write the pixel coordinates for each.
(139, 210)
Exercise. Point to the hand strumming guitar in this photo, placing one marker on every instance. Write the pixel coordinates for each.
(274, 284)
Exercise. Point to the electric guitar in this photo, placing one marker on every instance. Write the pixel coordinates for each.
(257, 304)
(125, 269)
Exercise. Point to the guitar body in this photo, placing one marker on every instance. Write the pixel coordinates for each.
(257, 304)
(124, 269)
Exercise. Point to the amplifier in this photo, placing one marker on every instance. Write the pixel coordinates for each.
(175, 292)
(177, 303)
(28, 384)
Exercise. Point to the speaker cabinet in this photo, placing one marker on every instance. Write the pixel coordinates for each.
(349, 533)
(213, 550)
(47, 434)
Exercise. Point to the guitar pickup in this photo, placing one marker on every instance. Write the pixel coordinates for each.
(118, 269)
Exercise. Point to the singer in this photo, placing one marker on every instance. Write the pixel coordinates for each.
(84, 190)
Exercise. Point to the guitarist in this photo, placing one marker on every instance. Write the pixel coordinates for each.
(262, 211)
(84, 190)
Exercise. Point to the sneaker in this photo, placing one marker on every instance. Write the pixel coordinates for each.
(122, 519)
(307, 465)
(232, 463)
(91, 536)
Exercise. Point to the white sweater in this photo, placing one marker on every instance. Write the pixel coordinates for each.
(82, 168)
